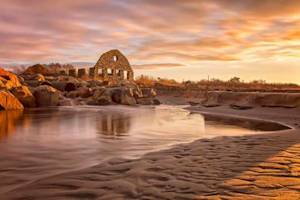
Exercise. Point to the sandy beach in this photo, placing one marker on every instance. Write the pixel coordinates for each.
(150, 100)
(261, 166)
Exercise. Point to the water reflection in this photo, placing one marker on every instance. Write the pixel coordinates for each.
(115, 124)
(8, 122)
(45, 142)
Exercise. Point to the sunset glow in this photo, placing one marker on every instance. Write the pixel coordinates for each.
(252, 39)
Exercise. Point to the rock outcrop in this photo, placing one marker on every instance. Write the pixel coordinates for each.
(9, 102)
(46, 96)
(123, 95)
(9, 80)
(13, 93)
(33, 80)
(37, 69)
(24, 95)
(101, 96)
(37, 86)
(148, 92)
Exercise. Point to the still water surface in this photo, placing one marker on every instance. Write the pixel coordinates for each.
(39, 143)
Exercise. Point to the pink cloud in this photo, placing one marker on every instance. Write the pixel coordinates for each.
(171, 32)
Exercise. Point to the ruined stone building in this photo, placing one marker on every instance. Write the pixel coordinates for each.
(112, 65)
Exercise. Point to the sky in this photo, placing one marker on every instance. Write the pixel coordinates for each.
(180, 39)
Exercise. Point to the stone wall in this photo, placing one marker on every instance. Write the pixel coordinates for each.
(112, 65)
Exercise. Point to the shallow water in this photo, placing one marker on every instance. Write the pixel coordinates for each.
(39, 143)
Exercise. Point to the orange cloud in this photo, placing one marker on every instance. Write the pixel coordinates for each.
(170, 32)
(157, 66)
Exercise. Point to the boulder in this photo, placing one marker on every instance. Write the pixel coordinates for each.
(145, 101)
(98, 91)
(156, 102)
(33, 80)
(24, 95)
(72, 94)
(65, 102)
(32, 83)
(84, 92)
(148, 101)
(128, 100)
(2, 86)
(137, 93)
(9, 102)
(59, 85)
(46, 83)
(101, 100)
(69, 79)
(37, 69)
(101, 96)
(123, 95)
(116, 95)
(9, 80)
(105, 100)
(46, 96)
(94, 83)
(70, 87)
(65, 83)
(148, 92)
(50, 78)
(33, 77)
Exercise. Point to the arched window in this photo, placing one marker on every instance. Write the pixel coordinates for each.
(115, 58)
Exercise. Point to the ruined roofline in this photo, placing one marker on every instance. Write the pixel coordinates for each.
(112, 65)
(113, 59)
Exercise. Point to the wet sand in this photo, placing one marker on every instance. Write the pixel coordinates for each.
(261, 166)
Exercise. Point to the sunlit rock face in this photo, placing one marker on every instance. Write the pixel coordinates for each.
(24, 95)
(8, 80)
(109, 82)
(37, 69)
(9, 101)
(14, 95)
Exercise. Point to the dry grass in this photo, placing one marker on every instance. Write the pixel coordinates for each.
(234, 84)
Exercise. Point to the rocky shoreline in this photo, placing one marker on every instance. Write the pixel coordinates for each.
(31, 89)
(261, 166)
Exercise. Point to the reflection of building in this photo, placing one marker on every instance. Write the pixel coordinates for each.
(8, 122)
(114, 124)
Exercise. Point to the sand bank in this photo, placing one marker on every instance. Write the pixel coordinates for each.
(261, 166)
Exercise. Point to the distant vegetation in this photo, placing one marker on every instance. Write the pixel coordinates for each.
(233, 84)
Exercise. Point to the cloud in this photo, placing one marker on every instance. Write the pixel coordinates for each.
(262, 9)
(149, 31)
(157, 66)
